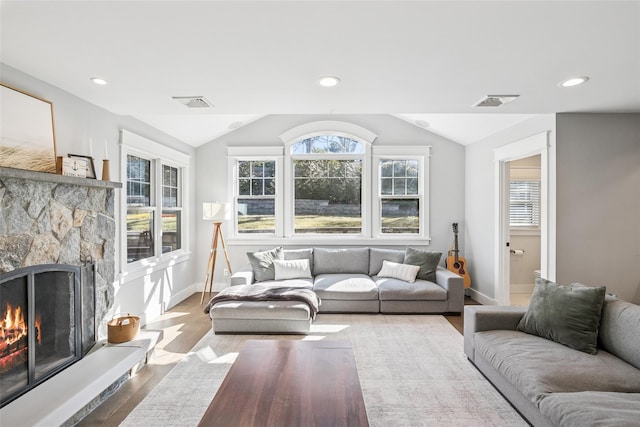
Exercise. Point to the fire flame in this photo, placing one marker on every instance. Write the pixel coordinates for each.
(13, 326)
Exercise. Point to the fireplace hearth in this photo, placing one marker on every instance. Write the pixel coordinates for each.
(47, 323)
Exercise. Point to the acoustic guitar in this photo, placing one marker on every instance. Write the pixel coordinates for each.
(456, 263)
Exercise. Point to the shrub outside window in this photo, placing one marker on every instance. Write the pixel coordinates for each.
(327, 188)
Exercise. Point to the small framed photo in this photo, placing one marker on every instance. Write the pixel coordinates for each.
(91, 170)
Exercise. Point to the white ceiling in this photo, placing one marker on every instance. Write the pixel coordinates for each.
(419, 60)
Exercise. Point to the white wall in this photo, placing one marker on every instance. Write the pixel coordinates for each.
(480, 202)
(446, 176)
(75, 122)
(598, 210)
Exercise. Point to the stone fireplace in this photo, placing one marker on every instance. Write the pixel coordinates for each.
(57, 268)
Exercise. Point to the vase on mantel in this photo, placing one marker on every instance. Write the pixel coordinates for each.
(105, 170)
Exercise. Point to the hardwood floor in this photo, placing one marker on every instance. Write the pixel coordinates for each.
(184, 325)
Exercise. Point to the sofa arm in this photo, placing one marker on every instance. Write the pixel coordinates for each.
(454, 285)
(488, 318)
(244, 276)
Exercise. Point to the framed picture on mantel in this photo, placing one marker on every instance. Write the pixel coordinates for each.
(91, 170)
(27, 138)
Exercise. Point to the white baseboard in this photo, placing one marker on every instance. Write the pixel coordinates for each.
(481, 298)
(526, 288)
(183, 295)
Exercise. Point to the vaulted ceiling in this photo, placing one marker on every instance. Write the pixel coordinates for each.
(423, 61)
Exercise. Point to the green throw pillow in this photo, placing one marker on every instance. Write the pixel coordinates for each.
(262, 264)
(569, 315)
(427, 261)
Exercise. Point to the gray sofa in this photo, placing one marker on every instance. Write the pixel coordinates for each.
(346, 281)
(551, 384)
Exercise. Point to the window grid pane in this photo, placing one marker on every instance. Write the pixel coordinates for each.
(138, 181)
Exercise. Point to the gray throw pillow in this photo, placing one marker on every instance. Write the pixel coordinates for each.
(427, 261)
(262, 264)
(567, 314)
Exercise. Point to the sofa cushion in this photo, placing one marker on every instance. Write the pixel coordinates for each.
(619, 330)
(335, 261)
(345, 287)
(292, 269)
(298, 254)
(398, 290)
(377, 256)
(537, 366)
(592, 408)
(262, 263)
(428, 262)
(569, 315)
(394, 270)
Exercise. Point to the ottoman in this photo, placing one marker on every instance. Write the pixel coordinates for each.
(263, 317)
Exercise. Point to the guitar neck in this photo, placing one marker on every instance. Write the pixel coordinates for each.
(455, 247)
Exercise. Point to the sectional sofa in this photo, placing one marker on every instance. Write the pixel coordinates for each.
(346, 280)
(552, 384)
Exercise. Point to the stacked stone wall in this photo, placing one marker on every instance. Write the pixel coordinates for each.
(65, 221)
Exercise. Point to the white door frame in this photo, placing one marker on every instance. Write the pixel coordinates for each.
(536, 144)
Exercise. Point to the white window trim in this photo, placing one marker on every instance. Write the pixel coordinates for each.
(237, 154)
(133, 144)
(370, 179)
(420, 153)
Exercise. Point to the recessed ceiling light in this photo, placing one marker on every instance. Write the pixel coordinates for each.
(329, 81)
(235, 125)
(574, 81)
(99, 81)
(422, 123)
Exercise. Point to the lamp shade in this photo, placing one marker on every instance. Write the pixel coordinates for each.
(216, 211)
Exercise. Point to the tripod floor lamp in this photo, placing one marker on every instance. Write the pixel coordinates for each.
(216, 212)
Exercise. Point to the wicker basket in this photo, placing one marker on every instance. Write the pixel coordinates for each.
(123, 328)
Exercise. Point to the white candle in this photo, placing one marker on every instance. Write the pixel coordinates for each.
(106, 152)
(90, 148)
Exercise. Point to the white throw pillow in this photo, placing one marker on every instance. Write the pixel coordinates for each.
(292, 269)
(406, 272)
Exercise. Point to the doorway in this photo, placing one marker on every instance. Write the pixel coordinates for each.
(524, 228)
(521, 155)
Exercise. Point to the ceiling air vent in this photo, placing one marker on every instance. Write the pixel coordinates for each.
(193, 101)
(495, 100)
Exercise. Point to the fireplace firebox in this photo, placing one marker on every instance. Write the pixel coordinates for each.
(47, 323)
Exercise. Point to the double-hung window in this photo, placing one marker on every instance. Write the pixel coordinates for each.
(255, 198)
(154, 182)
(399, 197)
(401, 189)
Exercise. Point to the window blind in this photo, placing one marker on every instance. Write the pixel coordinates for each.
(524, 207)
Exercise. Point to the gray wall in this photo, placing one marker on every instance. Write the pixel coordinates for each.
(598, 206)
(75, 121)
(446, 176)
(480, 202)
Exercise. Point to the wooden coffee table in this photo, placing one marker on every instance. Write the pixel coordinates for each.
(290, 383)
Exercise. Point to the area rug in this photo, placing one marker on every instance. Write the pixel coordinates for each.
(412, 370)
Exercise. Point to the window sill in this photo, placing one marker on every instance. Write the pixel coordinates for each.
(333, 240)
(144, 267)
